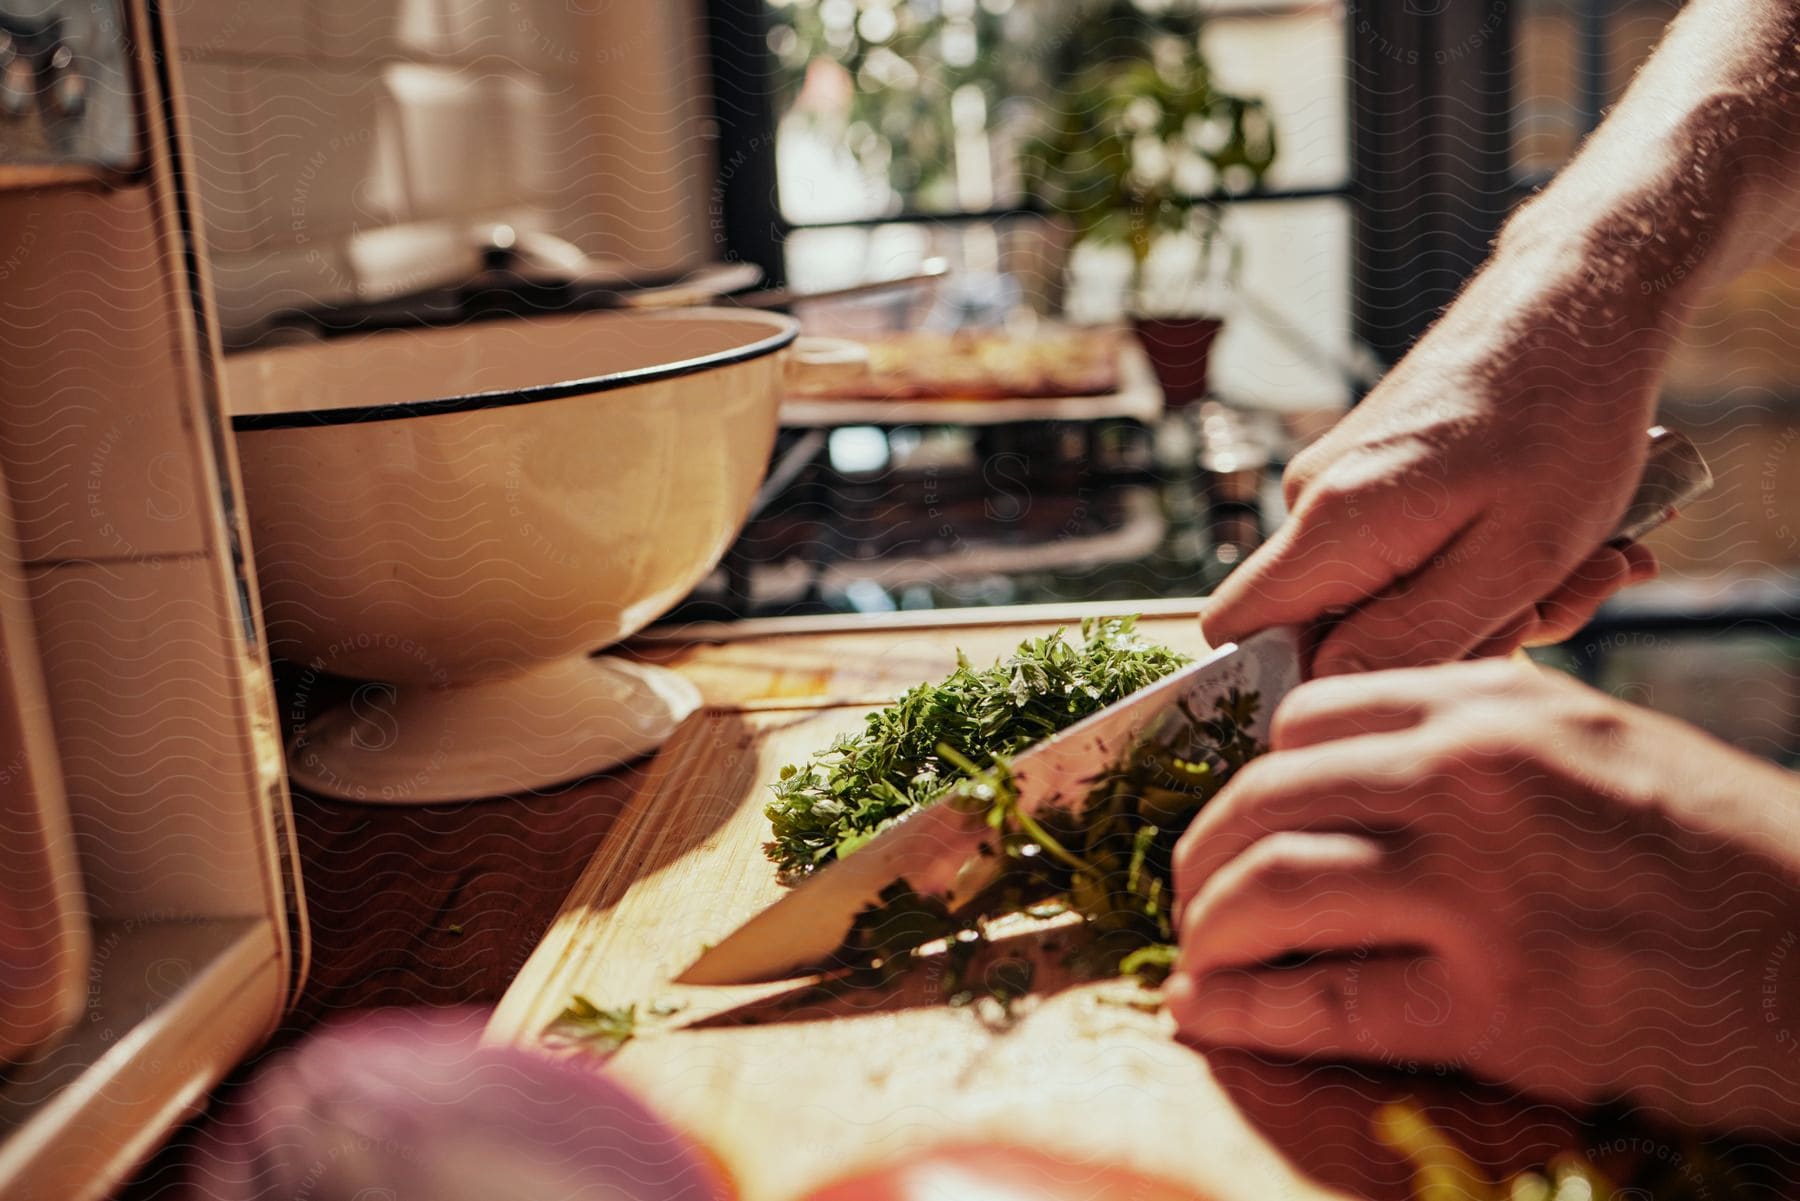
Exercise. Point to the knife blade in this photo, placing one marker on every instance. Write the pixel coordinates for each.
(949, 853)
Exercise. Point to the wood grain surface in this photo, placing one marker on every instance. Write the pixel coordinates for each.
(792, 1085)
(811, 671)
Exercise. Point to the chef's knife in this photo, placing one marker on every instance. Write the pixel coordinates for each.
(947, 852)
(951, 853)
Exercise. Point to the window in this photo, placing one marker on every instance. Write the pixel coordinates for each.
(898, 132)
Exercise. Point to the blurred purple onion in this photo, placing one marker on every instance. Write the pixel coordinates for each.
(406, 1105)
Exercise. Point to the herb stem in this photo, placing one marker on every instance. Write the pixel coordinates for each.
(1029, 826)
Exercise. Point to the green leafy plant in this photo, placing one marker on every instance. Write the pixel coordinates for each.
(904, 61)
(1141, 141)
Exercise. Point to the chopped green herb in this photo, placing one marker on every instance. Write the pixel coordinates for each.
(1121, 844)
(1150, 964)
(901, 922)
(1110, 860)
(1689, 1169)
(840, 797)
(1010, 979)
(594, 1028)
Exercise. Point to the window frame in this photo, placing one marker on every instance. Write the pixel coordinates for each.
(1415, 215)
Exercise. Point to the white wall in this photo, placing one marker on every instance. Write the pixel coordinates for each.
(350, 148)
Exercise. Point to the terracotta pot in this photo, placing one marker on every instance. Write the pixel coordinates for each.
(1180, 349)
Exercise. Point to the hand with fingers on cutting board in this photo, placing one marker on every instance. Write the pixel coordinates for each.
(1498, 869)
(1479, 865)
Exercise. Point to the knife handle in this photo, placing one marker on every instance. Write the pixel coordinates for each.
(1675, 473)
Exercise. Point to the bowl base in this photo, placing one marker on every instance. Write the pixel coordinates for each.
(396, 744)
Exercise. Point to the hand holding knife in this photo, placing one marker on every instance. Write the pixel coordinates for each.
(940, 851)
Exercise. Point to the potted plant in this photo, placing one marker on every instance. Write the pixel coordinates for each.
(890, 81)
(1140, 146)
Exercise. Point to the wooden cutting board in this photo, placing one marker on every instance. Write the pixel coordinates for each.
(791, 1086)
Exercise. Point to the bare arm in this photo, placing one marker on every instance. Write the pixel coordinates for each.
(1457, 509)
(1696, 175)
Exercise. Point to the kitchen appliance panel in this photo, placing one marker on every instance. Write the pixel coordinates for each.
(44, 943)
(145, 622)
(98, 449)
(69, 102)
(226, 174)
(144, 695)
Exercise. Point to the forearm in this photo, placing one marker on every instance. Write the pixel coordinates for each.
(1694, 176)
(1517, 422)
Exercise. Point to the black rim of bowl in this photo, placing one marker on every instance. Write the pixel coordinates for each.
(469, 402)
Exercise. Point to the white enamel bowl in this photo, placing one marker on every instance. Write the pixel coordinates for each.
(463, 514)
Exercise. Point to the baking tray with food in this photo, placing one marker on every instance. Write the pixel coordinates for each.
(971, 377)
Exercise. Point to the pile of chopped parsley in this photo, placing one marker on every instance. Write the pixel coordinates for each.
(1109, 860)
(831, 804)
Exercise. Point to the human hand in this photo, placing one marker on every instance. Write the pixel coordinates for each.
(1462, 508)
(1488, 867)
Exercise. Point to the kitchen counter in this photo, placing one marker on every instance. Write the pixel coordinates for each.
(443, 905)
